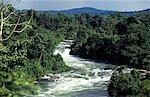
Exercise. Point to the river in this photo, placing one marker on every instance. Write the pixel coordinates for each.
(87, 78)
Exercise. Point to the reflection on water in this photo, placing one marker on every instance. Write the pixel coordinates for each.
(86, 79)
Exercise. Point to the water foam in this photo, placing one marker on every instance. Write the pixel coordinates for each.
(84, 76)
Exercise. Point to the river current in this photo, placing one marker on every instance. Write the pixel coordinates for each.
(87, 78)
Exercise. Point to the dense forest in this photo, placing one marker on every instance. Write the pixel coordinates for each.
(119, 39)
(28, 38)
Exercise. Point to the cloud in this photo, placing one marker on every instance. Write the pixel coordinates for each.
(123, 5)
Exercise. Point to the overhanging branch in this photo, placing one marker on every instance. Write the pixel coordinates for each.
(12, 30)
(19, 31)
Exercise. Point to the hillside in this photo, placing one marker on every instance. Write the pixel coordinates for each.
(90, 10)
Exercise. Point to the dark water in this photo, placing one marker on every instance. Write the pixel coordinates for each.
(88, 93)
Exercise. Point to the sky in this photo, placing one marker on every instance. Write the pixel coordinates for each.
(115, 5)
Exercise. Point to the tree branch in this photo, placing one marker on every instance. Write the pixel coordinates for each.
(5, 7)
(12, 30)
(19, 31)
(2, 23)
(23, 23)
(9, 15)
(5, 22)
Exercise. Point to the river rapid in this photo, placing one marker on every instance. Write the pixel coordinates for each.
(86, 78)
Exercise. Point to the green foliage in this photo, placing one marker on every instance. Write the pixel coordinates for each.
(27, 56)
(132, 85)
(14, 84)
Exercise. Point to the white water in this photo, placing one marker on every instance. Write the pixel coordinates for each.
(86, 79)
